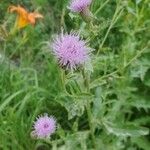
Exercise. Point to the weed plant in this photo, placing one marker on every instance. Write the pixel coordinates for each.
(104, 105)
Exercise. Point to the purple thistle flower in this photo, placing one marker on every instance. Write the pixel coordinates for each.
(70, 50)
(79, 5)
(44, 126)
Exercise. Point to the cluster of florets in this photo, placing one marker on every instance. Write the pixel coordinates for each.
(79, 5)
(70, 50)
(44, 126)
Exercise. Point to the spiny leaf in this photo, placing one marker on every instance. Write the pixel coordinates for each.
(141, 142)
(125, 130)
(140, 103)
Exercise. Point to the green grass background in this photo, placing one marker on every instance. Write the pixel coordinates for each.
(31, 80)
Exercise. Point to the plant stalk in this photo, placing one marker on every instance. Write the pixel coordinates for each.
(88, 107)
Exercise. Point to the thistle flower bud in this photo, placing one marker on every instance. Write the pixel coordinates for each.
(82, 7)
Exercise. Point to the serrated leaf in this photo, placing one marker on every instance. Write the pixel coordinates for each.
(125, 130)
(141, 142)
(142, 120)
(140, 68)
(74, 107)
(139, 72)
(76, 141)
(140, 103)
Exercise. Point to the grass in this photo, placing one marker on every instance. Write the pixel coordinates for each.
(107, 108)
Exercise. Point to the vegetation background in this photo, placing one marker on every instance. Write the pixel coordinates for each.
(119, 88)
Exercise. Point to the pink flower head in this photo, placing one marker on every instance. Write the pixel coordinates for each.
(70, 50)
(79, 5)
(44, 126)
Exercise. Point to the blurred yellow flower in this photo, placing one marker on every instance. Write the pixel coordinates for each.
(24, 17)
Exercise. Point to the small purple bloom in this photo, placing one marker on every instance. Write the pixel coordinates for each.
(79, 5)
(44, 126)
(70, 50)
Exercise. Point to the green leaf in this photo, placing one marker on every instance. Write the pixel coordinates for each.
(125, 130)
(140, 102)
(76, 108)
(142, 142)
(131, 10)
(147, 78)
(9, 99)
(142, 120)
(140, 68)
(140, 72)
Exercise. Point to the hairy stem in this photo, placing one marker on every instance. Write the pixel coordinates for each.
(88, 108)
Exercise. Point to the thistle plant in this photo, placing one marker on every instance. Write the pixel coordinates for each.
(93, 76)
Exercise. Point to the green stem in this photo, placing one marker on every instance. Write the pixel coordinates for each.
(63, 79)
(113, 21)
(88, 108)
(101, 7)
(92, 129)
